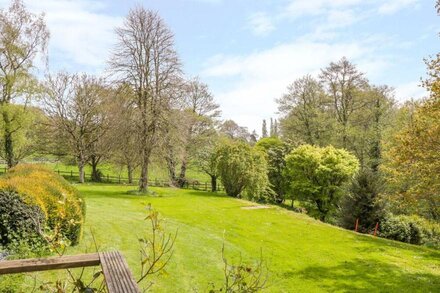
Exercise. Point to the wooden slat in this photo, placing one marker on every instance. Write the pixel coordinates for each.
(52, 263)
(117, 274)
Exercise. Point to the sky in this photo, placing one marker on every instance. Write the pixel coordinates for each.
(249, 51)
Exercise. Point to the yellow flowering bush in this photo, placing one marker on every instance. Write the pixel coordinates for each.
(60, 202)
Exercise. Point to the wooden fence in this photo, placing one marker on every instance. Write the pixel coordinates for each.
(193, 184)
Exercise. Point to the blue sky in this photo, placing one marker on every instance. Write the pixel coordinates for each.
(249, 51)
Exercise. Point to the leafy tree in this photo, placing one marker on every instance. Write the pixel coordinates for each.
(206, 159)
(276, 151)
(243, 170)
(318, 176)
(26, 127)
(23, 36)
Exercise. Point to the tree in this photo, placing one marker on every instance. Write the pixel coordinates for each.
(276, 151)
(264, 129)
(234, 131)
(75, 106)
(318, 176)
(305, 112)
(343, 83)
(125, 151)
(200, 111)
(243, 170)
(363, 202)
(25, 137)
(206, 159)
(23, 36)
(145, 59)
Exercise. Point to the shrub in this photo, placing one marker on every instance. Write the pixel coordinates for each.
(60, 203)
(318, 175)
(410, 229)
(243, 170)
(19, 220)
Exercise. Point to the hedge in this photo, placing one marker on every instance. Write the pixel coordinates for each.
(411, 229)
(60, 202)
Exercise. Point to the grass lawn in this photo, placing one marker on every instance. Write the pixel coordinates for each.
(302, 254)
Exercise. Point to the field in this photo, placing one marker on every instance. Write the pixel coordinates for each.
(302, 254)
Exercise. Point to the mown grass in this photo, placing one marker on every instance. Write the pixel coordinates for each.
(302, 254)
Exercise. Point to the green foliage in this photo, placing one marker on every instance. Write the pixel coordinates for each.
(362, 202)
(243, 170)
(61, 204)
(19, 220)
(410, 229)
(318, 176)
(276, 151)
(23, 127)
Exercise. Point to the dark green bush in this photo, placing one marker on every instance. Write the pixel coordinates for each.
(410, 229)
(19, 220)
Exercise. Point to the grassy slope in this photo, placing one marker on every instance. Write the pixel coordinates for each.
(303, 254)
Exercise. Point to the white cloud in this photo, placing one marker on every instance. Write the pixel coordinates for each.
(411, 90)
(392, 6)
(260, 24)
(81, 32)
(298, 8)
(263, 76)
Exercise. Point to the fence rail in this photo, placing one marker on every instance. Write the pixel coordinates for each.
(193, 184)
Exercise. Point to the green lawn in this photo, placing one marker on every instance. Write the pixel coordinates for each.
(303, 255)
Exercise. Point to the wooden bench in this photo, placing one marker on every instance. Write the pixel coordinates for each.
(118, 277)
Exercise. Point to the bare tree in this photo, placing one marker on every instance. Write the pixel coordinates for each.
(303, 108)
(125, 150)
(234, 131)
(75, 107)
(200, 111)
(23, 36)
(145, 59)
(343, 83)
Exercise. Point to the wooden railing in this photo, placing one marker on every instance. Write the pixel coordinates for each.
(118, 277)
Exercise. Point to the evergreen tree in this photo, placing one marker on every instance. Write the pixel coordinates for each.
(271, 128)
(264, 130)
(362, 202)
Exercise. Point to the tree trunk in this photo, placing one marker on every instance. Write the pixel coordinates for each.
(96, 177)
(171, 165)
(81, 172)
(182, 176)
(130, 173)
(8, 143)
(213, 183)
(143, 181)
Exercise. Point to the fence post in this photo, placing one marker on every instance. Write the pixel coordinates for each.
(119, 179)
(71, 174)
(356, 225)
(206, 186)
(375, 229)
(108, 180)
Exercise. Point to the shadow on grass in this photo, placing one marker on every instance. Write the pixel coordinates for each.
(369, 276)
(382, 245)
